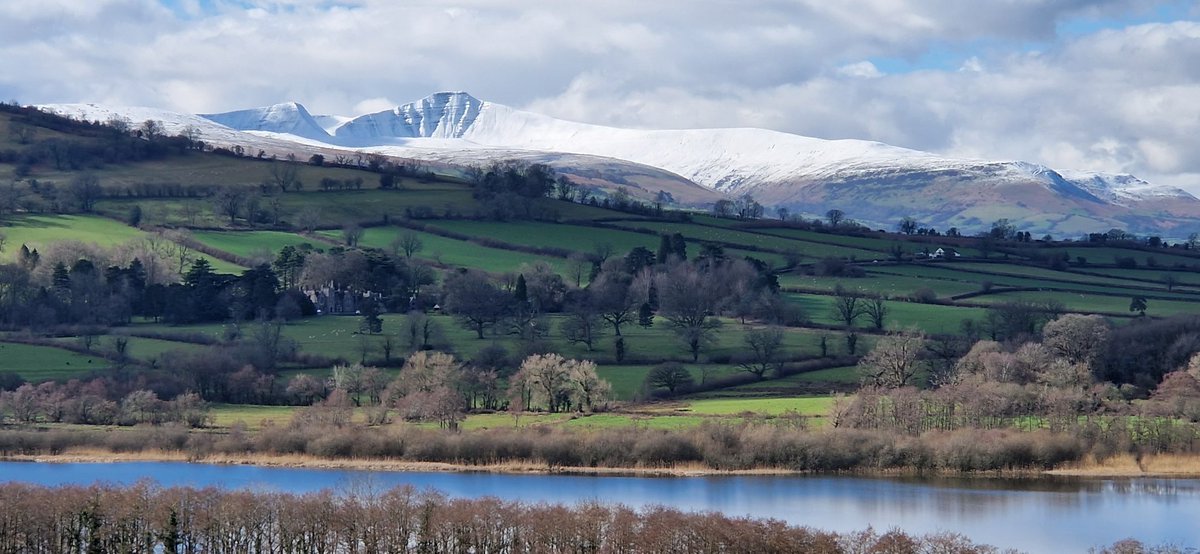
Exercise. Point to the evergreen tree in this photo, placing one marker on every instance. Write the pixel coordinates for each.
(646, 315)
(665, 249)
(679, 246)
(371, 322)
(521, 292)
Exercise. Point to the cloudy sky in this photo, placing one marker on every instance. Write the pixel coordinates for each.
(1110, 85)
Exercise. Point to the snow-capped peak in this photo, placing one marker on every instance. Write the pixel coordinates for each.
(442, 115)
(289, 117)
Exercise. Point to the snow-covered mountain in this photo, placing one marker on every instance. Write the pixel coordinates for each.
(873, 182)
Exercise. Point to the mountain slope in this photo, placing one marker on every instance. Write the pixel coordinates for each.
(290, 118)
(875, 183)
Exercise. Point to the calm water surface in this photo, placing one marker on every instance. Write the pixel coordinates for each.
(1055, 515)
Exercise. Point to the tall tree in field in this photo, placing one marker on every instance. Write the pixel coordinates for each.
(1078, 338)
(764, 352)
(476, 303)
(847, 307)
(614, 299)
(687, 299)
(894, 361)
(671, 376)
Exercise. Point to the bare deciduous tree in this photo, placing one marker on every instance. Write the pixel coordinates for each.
(894, 361)
(764, 351)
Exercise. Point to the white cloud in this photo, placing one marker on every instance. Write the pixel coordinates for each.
(861, 70)
(1118, 99)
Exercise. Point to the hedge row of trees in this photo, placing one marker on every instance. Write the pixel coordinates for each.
(145, 518)
(622, 291)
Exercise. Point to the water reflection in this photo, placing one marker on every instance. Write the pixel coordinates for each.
(1036, 515)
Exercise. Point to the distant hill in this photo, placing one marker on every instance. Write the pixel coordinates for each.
(874, 183)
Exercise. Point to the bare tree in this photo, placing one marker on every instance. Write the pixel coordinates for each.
(835, 217)
(352, 233)
(577, 266)
(687, 298)
(614, 300)
(284, 176)
(1078, 338)
(475, 301)
(410, 243)
(85, 190)
(177, 246)
(547, 378)
(846, 306)
(583, 324)
(151, 129)
(308, 218)
(764, 351)
(671, 376)
(876, 308)
(587, 388)
(228, 202)
(894, 361)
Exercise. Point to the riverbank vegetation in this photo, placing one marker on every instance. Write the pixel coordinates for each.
(145, 518)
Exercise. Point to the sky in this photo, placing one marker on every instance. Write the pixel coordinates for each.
(1102, 85)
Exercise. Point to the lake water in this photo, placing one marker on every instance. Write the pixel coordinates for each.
(1042, 515)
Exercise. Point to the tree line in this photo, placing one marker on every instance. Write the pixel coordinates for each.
(148, 518)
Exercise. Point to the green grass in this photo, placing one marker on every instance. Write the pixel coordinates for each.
(807, 406)
(576, 238)
(880, 281)
(627, 380)
(620, 420)
(39, 363)
(337, 337)
(501, 420)
(252, 416)
(38, 231)
(951, 272)
(252, 244)
(840, 375)
(1026, 276)
(453, 252)
(931, 318)
(1095, 303)
(1189, 279)
(1109, 255)
(733, 236)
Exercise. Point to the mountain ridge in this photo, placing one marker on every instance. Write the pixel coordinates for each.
(872, 181)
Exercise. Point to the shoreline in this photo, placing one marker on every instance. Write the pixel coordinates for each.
(1124, 466)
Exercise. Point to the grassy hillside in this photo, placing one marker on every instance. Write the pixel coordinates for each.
(933, 296)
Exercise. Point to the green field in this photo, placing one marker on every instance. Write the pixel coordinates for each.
(837, 375)
(453, 252)
(886, 280)
(930, 318)
(250, 415)
(950, 272)
(627, 380)
(1108, 255)
(38, 231)
(1190, 279)
(1118, 305)
(743, 238)
(575, 238)
(263, 245)
(806, 406)
(39, 363)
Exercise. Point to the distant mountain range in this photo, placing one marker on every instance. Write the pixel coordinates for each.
(872, 182)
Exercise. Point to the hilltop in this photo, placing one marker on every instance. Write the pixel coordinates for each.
(876, 183)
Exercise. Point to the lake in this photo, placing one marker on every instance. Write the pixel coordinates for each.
(1034, 515)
